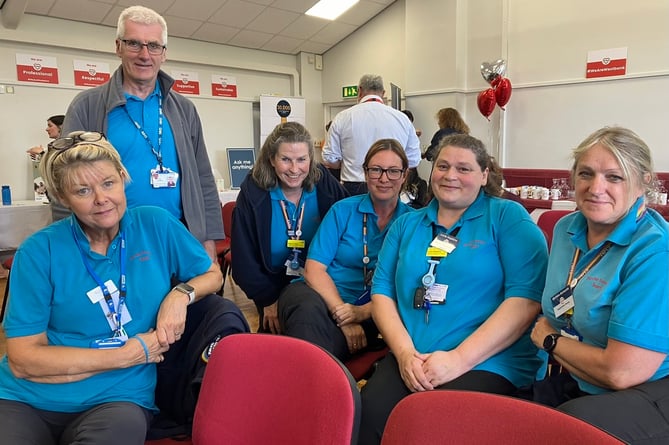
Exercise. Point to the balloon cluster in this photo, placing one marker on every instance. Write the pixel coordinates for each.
(500, 91)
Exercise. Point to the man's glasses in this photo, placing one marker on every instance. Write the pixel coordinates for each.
(391, 173)
(70, 141)
(136, 46)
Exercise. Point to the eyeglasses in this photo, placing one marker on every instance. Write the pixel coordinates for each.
(136, 46)
(68, 142)
(391, 173)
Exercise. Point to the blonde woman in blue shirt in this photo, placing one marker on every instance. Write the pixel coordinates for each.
(456, 289)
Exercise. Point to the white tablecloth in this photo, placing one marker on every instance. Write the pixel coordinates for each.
(20, 220)
(227, 196)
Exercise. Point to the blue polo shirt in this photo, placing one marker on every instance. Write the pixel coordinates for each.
(279, 234)
(49, 288)
(625, 295)
(137, 155)
(501, 254)
(338, 243)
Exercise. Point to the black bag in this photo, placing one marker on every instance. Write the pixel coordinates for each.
(180, 374)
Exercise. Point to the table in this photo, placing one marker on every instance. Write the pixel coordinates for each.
(20, 220)
(227, 196)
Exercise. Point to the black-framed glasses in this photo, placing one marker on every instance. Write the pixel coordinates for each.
(71, 141)
(392, 174)
(136, 46)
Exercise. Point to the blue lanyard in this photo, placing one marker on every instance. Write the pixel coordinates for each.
(116, 316)
(365, 256)
(157, 153)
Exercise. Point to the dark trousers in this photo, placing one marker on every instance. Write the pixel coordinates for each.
(304, 314)
(386, 388)
(638, 415)
(106, 424)
(355, 188)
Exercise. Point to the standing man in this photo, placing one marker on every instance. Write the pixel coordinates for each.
(354, 130)
(156, 131)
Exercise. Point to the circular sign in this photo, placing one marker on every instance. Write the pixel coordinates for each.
(283, 108)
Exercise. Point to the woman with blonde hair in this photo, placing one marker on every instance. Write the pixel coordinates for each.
(450, 122)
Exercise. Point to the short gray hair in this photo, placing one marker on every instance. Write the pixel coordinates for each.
(371, 82)
(143, 15)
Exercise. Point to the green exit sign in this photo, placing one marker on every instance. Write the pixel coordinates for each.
(351, 91)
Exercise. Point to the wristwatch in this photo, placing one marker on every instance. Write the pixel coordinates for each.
(186, 289)
(550, 342)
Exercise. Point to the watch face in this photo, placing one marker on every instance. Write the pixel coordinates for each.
(549, 342)
(186, 288)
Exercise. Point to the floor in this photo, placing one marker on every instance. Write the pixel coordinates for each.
(230, 291)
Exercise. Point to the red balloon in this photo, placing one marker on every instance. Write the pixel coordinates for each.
(503, 92)
(486, 102)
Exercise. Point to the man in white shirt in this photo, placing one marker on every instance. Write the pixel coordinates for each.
(354, 130)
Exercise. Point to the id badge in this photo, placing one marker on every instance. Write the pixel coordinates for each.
(163, 179)
(293, 271)
(96, 296)
(445, 242)
(437, 293)
(562, 301)
(296, 244)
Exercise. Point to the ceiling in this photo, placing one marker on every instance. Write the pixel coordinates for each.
(271, 25)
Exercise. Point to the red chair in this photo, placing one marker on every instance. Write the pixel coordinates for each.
(223, 246)
(361, 365)
(468, 418)
(7, 264)
(261, 389)
(547, 221)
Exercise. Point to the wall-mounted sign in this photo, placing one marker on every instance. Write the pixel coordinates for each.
(606, 63)
(275, 110)
(32, 68)
(350, 91)
(223, 86)
(240, 163)
(186, 82)
(90, 74)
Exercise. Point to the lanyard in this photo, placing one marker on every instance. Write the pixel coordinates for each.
(290, 223)
(572, 282)
(365, 256)
(116, 316)
(157, 153)
(371, 99)
(429, 278)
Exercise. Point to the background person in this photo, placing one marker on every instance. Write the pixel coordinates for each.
(332, 306)
(59, 383)
(609, 261)
(450, 122)
(157, 131)
(457, 320)
(279, 207)
(54, 125)
(355, 129)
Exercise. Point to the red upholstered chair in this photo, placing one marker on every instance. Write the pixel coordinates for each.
(271, 389)
(472, 418)
(547, 221)
(361, 365)
(223, 245)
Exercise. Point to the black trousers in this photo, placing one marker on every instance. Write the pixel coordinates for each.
(386, 388)
(304, 314)
(638, 415)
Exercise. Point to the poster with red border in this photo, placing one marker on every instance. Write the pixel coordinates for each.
(606, 63)
(186, 82)
(32, 68)
(223, 86)
(90, 74)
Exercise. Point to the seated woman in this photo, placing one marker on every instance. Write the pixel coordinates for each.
(333, 308)
(455, 291)
(605, 305)
(279, 207)
(92, 309)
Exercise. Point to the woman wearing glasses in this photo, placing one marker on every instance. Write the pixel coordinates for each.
(92, 309)
(332, 306)
(280, 205)
(456, 288)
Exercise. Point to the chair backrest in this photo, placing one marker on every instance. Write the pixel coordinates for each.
(547, 221)
(226, 212)
(467, 417)
(262, 388)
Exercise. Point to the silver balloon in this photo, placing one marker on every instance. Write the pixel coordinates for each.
(493, 71)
